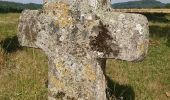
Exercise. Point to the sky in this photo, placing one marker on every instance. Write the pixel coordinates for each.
(117, 1)
(40, 1)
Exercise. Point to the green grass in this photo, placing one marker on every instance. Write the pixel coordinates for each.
(23, 71)
(8, 25)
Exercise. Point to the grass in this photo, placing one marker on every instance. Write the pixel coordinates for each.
(8, 24)
(149, 79)
(23, 71)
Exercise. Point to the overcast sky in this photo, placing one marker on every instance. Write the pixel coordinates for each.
(40, 1)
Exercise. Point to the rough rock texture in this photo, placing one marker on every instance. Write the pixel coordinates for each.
(76, 35)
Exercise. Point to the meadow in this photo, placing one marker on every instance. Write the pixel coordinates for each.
(23, 71)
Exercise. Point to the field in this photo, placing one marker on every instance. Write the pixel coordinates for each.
(23, 71)
(143, 10)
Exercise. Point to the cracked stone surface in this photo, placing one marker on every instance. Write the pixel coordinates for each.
(75, 35)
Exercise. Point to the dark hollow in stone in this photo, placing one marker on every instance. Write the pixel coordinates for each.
(103, 41)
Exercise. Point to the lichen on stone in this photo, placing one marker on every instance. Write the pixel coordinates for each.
(89, 72)
(30, 33)
(56, 82)
(75, 34)
(61, 13)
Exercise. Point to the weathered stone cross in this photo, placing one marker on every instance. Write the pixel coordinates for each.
(75, 34)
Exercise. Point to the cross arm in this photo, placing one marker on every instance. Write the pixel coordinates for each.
(127, 35)
(36, 30)
(27, 30)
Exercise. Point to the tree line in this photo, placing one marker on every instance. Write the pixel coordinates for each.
(6, 6)
(167, 5)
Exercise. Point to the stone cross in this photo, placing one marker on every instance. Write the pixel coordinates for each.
(75, 35)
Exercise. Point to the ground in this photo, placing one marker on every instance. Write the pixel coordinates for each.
(23, 71)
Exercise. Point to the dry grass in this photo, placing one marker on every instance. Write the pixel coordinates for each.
(149, 79)
(2, 60)
(23, 76)
(23, 71)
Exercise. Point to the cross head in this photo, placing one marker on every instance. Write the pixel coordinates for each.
(76, 35)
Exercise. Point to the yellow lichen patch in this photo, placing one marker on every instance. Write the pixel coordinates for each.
(89, 72)
(141, 48)
(56, 82)
(71, 88)
(60, 11)
(59, 65)
(67, 73)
